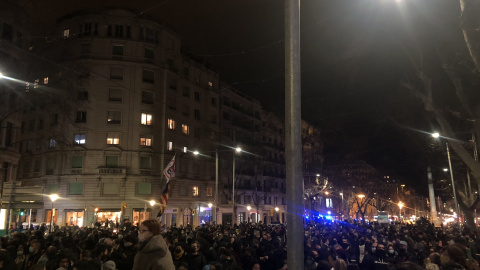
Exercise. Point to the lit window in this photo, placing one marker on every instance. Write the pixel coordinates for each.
(145, 140)
(45, 80)
(185, 149)
(170, 146)
(328, 203)
(195, 191)
(185, 129)
(210, 84)
(79, 138)
(171, 124)
(52, 143)
(66, 33)
(113, 138)
(35, 83)
(146, 119)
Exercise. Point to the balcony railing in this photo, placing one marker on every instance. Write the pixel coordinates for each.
(111, 170)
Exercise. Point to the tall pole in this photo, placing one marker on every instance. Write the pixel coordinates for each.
(431, 193)
(234, 216)
(453, 182)
(51, 219)
(293, 139)
(216, 188)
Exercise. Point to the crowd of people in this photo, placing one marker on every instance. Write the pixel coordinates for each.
(248, 246)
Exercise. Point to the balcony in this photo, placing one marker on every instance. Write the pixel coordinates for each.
(112, 170)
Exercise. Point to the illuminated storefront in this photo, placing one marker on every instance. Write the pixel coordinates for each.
(75, 217)
(139, 215)
(103, 216)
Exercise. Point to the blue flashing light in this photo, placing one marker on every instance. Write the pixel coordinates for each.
(328, 217)
(307, 217)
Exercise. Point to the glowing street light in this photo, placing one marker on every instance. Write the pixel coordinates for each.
(249, 208)
(152, 203)
(210, 205)
(276, 209)
(53, 198)
(361, 196)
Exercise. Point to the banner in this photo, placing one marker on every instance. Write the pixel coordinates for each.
(169, 171)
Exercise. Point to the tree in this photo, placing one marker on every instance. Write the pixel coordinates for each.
(312, 190)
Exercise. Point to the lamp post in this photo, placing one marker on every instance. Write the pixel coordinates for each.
(436, 135)
(400, 205)
(53, 198)
(234, 215)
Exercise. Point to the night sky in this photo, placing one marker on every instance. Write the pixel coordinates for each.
(355, 56)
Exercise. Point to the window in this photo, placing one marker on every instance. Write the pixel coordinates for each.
(214, 102)
(226, 116)
(144, 188)
(149, 54)
(197, 96)
(113, 138)
(38, 144)
(185, 149)
(185, 110)
(114, 117)
(247, 199)
(54, 119)
(195, 191)
(79, 138)
(171, 124)
(36, 165)
(146, 140)
(29, 146)
(117, 50)
(147, 97)
(173, 85)
(209, 191)
(196, 114)
(328, 203)
(115, 95)
(186, 92)
(116, 73)
(40, 124)
(146, 119)
(110, 189)
(50, 166)
(148, 76)
(172, 103)
(31, 125)
(170, 146)
(52, 143)
(145, 162)
(185, 129)
(75, 189)
(26, 167)
(111, 161)
(118, 31)
(198, 132)
(183, 191)
(77, 162)
(213, 119)
(80, 117)
(66, 33)
(82, 95)
(7, 32)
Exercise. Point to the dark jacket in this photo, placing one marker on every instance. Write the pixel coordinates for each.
(154, 256)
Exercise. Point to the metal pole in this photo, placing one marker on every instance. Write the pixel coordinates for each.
(431, 193)
(453, 182)
(233, 191)
(29, 218)
(145, 212)
(216, 187)
(293, 139)
(51, 219)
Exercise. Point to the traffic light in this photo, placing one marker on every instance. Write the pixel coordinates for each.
(22, 213)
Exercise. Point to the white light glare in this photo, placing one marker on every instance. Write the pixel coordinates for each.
(435, 135)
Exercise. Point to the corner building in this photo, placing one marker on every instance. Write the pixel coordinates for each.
(133, 102)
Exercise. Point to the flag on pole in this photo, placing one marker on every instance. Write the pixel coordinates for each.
(164, 200)
(169, 173)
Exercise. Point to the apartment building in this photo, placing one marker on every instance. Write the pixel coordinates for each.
(120, 102)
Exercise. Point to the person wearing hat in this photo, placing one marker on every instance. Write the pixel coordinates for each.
(153, 253)
(403, 254)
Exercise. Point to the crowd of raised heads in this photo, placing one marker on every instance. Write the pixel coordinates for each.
(248, 246)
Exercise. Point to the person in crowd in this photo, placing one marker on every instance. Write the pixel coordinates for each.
(153, 252)
(35, 252)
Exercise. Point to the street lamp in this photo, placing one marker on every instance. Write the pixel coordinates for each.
(234, 215)
(436, 135)
(53, 198)
(400, 205)
(361, 196)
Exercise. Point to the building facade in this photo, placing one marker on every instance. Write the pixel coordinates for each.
(120, 102)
